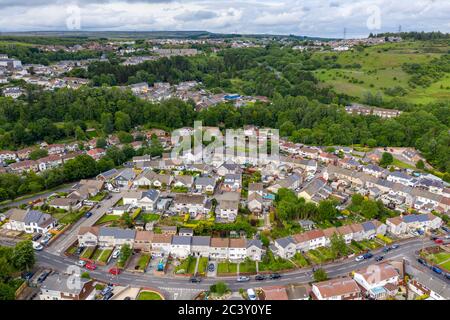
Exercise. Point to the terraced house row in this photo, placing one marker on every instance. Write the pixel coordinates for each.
(287, 247)
(178, 246)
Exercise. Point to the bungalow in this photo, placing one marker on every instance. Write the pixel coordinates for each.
(189, 203)
(65, 204)
(375, 277)
(115, 237)
(274, 293)
(337, 289)
(183, 181)
(88, 236)
(298, 291)
(66, 287)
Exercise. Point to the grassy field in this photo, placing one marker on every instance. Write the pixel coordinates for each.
(147, 295)
(108, 218)
(381, 68)
(441, 259)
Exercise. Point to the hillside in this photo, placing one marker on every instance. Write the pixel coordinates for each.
(377, 68)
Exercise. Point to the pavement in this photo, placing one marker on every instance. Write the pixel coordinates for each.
(177, 287)
(64, 188)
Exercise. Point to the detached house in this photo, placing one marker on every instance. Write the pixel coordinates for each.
(285, 247)
(232, 182)
(377, 279)
(337, 289)
(190, 203)
(65, 287)
(30, 221)
(205, 185)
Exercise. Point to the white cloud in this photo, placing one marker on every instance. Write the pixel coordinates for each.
(305, 17)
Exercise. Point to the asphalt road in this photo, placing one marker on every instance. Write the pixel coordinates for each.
(59, 263)
(70, 236)
(17, 203)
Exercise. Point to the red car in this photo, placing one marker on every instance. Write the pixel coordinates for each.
(90, 266)
(439, 241)
(114, 271)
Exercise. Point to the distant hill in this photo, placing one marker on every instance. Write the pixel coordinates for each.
(148, 35)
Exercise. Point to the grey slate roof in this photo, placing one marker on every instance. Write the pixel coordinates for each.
(201, 241)
(284, 242)
(181, 240)
(117, 233)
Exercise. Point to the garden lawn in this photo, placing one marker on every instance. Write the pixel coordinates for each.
(143, 261)
(185, 265)
(227, 267)
(87, 253)
(104, 255)
(441, 259)
(300, 260)
(108, 218)
(146, 295)
(202, 265)
(247, 266)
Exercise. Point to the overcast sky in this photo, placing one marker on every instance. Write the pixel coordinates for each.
(326, 18)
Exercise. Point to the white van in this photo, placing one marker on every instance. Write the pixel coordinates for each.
(251, 294)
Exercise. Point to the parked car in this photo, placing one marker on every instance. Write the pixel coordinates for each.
(395, 246)
(260, 277)
(437, 270)
(211, 267)
(90, 266)
(195, 280)
(116, 254)
(43, 276)
(367, 255)
(433, 237)
(447, 275)
(79, 250)
(379, 258)
(439, 241)
(421, 261)
(88, 214)
(386, 249)
(251, 294)
(81, 263)
(37, 246)
(275, 276)
(243, 279)
(106, 290)
(108, 296)
(27, 275)
(359, 258)
(36, 237)
(114, 271)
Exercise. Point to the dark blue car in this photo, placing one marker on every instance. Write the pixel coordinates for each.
(437, 270)
(88, 214)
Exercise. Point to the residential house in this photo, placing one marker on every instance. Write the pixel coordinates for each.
(255, 250)
(181, 246)
(205, 184)
(124, 178)
(143, 241)
(298, 291)
(24, 166)
(274, 293)
(255, 202)
(185, 181)
(373, 170)
(66, 287)
(65, 204)
(96, 153)
(285, 247)
(232, 182)
(88, 236)
(374, 279)
(238, 249)
(190, 203)
(337, 289)
(161, 244)
(200, 246)
(219, 248)
(115, 237)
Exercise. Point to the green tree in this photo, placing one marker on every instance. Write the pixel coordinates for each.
(23, 255)
(320, 275)
(386, 159)
(107, 121)
(101, 143)
(369, 209)
(357, 199)
(338, 245)
(220, 288)
(122, 121)
(38, 154)
(7, 292)
(420, 165)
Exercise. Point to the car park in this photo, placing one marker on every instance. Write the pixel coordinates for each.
(275, 276)
(90, 266)
(260, 277)
(243, 279)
